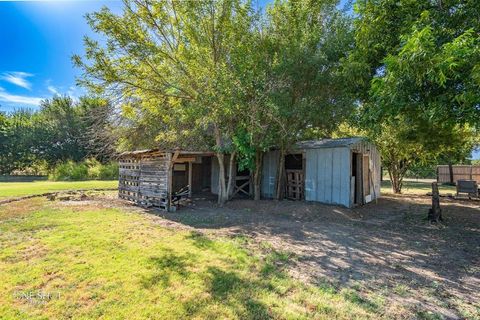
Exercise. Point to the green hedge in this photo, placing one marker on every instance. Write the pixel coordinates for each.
(89, 169)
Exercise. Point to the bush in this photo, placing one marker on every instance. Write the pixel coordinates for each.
(69, 171)
(109, 171)
(90, 169)
(93, 168)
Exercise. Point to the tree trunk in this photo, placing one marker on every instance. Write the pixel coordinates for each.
(450, 171)
(279, 192)
(435, 213)
(222, 187)
(257, 175)
(396, 179)
(231, 174)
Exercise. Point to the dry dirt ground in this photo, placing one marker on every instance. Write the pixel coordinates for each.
(386, 251)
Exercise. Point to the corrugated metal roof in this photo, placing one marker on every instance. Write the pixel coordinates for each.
(148, 151)
(308, 144)
(328, 143)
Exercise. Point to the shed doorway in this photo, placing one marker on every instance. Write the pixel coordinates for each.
(360, 178)
(295, 176)
(192, 174)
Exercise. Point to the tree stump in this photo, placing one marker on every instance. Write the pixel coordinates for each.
(435, 213)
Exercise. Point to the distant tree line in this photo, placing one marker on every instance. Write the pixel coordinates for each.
(61, 130)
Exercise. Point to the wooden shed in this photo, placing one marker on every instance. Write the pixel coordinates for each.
(151, 177)
(334, 171)
(154, 177)
(337, 171)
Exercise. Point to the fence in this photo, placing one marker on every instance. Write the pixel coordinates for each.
(460, 172)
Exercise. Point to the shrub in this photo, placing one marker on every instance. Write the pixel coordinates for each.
(88, 169)
(109, 171)
(94, 167)
(69, 171)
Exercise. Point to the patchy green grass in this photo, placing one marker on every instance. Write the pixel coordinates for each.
(18, 189)
(90, 263)
(417, 187)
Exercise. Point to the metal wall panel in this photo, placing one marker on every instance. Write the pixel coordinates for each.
(269, 174)
(327, 176)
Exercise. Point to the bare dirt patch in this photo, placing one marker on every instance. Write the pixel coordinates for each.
(381, 249)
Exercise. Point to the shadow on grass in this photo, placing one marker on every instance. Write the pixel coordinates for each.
(200, 240)
(237, 293)
(353, 297)
(166, 266)
(260, 289)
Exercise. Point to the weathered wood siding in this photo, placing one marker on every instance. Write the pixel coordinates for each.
(269, 174)
(327, 175)
(144, 179)
(460, 172)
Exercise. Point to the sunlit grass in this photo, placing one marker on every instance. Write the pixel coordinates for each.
(417, 188)
(18, 189)
(111, 264)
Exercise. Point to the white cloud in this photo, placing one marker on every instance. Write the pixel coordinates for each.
(74, 93)
(18, 78)
(53, 90)
(7, 97)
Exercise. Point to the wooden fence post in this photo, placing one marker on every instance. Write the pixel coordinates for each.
(435, 213)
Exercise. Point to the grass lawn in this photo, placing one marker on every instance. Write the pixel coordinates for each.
(18, 189)
(417, 187)
(101, 263)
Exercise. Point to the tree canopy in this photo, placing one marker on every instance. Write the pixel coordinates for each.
(61, 130)
(415, 72)
(220, 73)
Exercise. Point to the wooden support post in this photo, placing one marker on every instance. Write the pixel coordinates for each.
(190, 167)
(435, 213)
(172, 159)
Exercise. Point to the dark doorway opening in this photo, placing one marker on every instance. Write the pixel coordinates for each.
(193, 174)
(357, 178)
(179, 176)
(201, 175)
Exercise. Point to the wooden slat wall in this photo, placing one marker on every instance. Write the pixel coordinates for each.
(144, 179)
(460, 172)
(295, 182)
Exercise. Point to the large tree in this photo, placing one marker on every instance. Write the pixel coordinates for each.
(307, 91)
(173, 58)
(18, 138)
(415, 70)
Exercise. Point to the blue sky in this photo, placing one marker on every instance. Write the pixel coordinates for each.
(37, 40)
